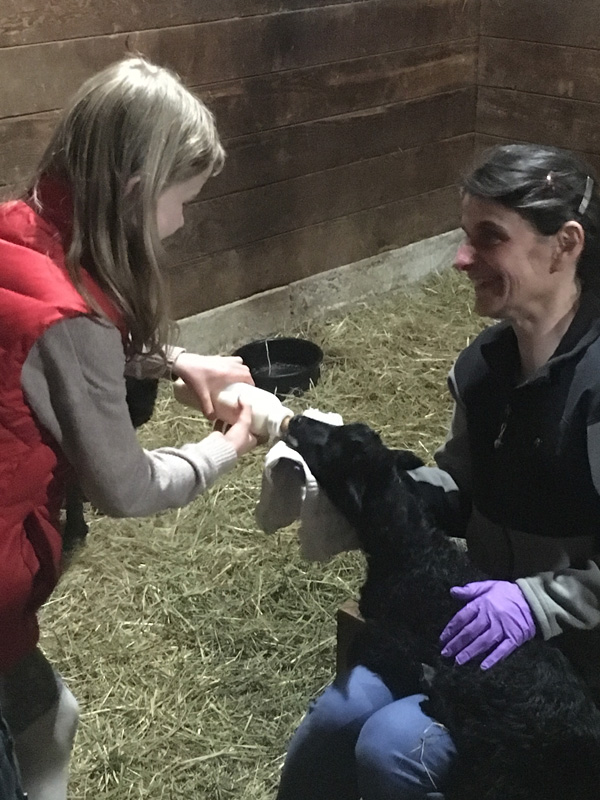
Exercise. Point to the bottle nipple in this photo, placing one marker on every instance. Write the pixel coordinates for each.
(284, 425)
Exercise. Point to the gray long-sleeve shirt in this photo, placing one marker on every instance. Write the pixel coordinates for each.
(73, 382)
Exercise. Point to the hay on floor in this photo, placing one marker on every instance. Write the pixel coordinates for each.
(194, 641)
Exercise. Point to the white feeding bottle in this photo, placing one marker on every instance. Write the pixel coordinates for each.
(269, 415)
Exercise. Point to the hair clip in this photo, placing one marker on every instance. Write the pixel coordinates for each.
(550, 181)
(587, 195)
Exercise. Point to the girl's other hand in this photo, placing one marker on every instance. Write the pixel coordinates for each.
(206, 376)
(239, 435)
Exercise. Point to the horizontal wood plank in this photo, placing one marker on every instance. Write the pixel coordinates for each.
(41, 77)
(236, 220)
(287, 98)
(234, 274)
(22, 142)
(572, 124)
(283, 153)
(569, 22)
(557, 70)
(286, 153)
(44, 21)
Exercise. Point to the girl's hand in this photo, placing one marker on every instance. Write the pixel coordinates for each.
(239, 435)
(206, 376)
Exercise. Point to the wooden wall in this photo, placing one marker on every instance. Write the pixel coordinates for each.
(539, 74)
(346, 122)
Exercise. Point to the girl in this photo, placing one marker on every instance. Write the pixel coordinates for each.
(81, 303)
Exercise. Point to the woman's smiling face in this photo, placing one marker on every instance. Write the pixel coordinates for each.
(509, 263)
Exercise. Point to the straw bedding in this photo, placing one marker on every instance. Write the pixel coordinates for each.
(194, 641)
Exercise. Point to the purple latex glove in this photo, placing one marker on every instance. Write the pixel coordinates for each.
(495, 622)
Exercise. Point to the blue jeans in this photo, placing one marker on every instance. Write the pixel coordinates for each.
(358, 742)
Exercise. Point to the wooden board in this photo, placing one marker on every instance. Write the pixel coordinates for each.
(238, 219)
(542, 68)
(40, 77)
(56, 20)
(573, 124)
(22, 142)
(286, 153)
(349, 623)
(281, 153)
(234, 274)
(569, 22)
(47, 21)
(346, 121)
(286, 98)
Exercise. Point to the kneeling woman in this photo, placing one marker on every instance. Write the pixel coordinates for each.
(523, 460)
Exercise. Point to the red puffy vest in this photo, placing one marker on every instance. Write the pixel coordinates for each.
(35, 292)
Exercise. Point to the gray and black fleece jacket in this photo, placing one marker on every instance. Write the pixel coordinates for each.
(523, 459)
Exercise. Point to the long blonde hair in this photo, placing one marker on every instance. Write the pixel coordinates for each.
(131, 131)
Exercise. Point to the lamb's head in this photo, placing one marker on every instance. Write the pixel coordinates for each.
(369, 484)
(344, 459)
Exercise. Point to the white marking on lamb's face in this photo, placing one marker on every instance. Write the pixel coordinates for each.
(292, 441)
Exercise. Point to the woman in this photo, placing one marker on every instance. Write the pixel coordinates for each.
(520, 472)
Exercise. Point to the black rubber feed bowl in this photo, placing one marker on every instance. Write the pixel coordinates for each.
(282, 366)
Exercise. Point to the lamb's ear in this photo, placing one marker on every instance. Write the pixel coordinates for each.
(406, 459)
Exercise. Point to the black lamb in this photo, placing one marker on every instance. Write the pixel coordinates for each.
(526, 729)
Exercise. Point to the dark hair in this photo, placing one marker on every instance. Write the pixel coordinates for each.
(547, 187)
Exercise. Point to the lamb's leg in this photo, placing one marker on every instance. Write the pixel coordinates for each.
(141, 399)
(75, 528)
(391, 656)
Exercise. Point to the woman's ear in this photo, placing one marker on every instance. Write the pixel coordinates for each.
(571, 238)
(568, 246)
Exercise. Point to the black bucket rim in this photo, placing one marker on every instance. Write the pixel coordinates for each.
(303, 356)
